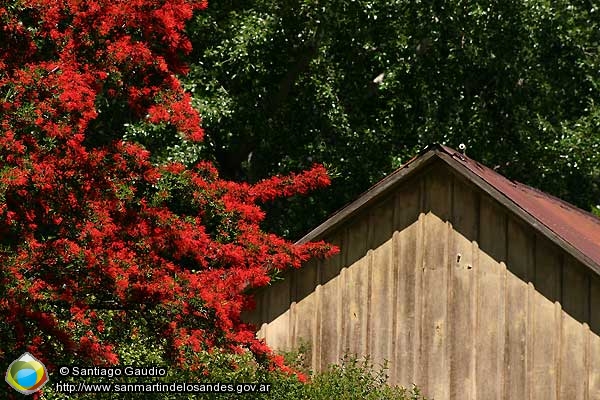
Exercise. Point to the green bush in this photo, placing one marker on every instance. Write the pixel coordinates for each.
(353, 378)
(357, 379)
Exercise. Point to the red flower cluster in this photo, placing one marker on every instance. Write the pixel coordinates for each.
(92, 234)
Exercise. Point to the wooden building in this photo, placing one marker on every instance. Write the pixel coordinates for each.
(470, 285)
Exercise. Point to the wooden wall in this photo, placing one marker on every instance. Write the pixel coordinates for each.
(461, 297)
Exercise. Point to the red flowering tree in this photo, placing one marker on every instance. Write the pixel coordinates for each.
(94, 237)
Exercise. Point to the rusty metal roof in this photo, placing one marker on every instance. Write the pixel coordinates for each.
(575, 230)
(577, 227)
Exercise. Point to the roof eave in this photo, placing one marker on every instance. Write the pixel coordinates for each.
(375, 193)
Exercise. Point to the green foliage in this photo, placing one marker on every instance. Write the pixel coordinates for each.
(165, 142)
(298, 357)
(357, 379)
(281, 85)
(353, 378)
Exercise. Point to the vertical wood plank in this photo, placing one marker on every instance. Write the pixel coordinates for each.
(356, 278)
(594, 339)
(491, 301)
(305, 280)
(381, 220)
(543, 379)
(328, 307)
(434, 306)
(369, 321)
(465, 215)
(465, 210)
(548, 278)
(397, 314)
(345, 293)
(331, 266)
(406, 214)
(292, 277)
(437, 195)
(316, 331)
(548, 273)
(419, 363)
(594, 305)
(593, 352)
(262, 297)
(293, 341)
(392, 377)
(530, 342)
(304, 322)
(435, 284)
(358, 316)
(575, 290)
(572, 359)
(515, 362)
(491, 331)
(382, 269)
(475, 317)
(277, 334)
(344, 312)
(328, 323)
(521, 263)
(492, 231)
(305, 309)
(520, 250)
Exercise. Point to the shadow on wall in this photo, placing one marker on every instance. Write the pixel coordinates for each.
(471, 223)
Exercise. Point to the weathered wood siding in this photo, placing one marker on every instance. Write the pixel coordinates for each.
(462, 298)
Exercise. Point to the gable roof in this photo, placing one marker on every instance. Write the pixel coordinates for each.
(576, 231)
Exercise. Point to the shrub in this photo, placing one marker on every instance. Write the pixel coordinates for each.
(354, 378)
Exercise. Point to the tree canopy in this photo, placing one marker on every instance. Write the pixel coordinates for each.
(99, 244)
(363, 85)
